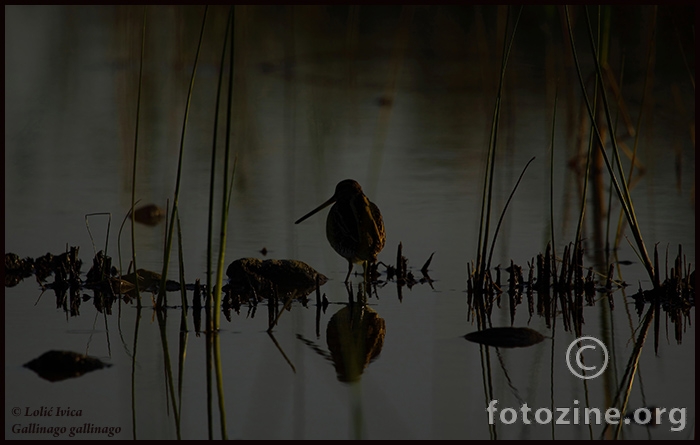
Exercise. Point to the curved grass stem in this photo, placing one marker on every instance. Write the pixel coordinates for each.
(171, 226)
(485, 218)
(622, 190)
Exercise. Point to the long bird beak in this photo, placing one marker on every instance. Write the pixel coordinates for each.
(317, 209)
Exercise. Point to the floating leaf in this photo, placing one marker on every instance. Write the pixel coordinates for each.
(506, 337)
(60, 365)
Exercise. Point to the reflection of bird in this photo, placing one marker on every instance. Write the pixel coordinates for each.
(355, 337)
(354, 226)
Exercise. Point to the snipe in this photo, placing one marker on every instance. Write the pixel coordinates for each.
(354, 226)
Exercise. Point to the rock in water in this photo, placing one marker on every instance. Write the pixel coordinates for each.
(286, 277)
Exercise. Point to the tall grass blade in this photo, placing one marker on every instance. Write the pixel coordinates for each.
(133, 236)
(182, 355)
(209, 290)
(136, 144)
(632, 216)
(642, 105)
(586, 171)
(226, 193)
(168, 368)
(133, 372)
(488, 180)
(632, 367)
(622, 190)
(551, 168)
(183, 290)
(226, 197)
(109, 223)
(119, 237)
(171, 226)
(279, 348)
(209, 364)
(212, 172)
(503, 213)
(220, 384)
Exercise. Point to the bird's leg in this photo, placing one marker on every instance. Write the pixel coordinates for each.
(347, 278)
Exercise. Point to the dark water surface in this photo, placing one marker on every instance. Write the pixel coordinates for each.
(401, 101)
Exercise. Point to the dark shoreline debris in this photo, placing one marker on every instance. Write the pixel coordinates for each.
(568, 289)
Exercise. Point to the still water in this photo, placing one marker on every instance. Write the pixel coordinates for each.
(399, 100)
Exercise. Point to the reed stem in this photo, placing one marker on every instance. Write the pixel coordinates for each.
(133, 172)
(171, 227)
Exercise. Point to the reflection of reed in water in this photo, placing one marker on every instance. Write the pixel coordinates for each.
(355, 336)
